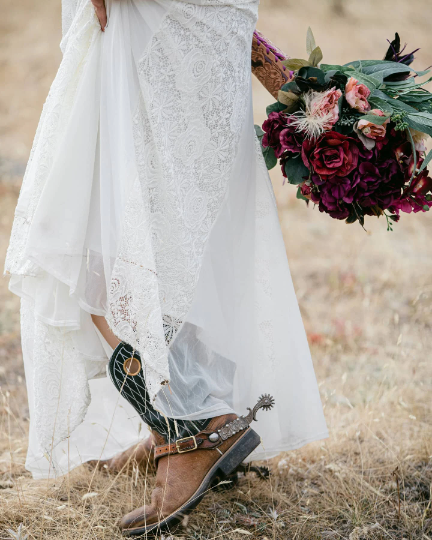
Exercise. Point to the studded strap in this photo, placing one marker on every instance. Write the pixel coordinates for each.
(200, 441)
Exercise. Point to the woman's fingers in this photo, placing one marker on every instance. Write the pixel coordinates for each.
(99, 6)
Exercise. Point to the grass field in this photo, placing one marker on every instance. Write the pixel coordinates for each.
(366, 300)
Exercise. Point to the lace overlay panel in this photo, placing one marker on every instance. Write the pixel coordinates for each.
(58, 378)
(195, 81)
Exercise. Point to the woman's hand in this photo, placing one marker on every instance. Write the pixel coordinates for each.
(100, 9)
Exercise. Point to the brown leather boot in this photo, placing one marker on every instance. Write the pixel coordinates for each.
(140, 455)
(188, 467)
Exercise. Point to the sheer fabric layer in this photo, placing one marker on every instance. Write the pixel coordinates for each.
(146, 200)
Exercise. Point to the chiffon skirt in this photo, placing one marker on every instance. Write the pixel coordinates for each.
(146, 200)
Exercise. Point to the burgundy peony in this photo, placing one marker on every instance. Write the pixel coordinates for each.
(378, 183)
(290, 139)
(329, 203)
(273, 127)
(280, 135)
(333, 155)
(367, 178)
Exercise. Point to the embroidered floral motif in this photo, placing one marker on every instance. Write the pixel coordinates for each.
(195, 83)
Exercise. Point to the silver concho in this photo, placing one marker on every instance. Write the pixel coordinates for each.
(213, 437)
(265, 402)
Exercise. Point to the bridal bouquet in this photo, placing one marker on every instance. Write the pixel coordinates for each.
(352, 137)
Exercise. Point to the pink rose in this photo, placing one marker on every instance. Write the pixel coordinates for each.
(356, 94)
(371, 130)
(327, 104)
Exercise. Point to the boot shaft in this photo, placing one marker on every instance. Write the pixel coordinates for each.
(126, 372)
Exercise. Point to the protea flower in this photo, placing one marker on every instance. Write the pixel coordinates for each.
(321, 112)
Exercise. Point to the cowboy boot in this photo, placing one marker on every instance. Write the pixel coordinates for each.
(125, 370)
(140, 455)
(190, 455)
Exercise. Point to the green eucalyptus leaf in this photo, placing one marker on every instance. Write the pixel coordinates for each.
(368, 63)
(369, 67)
(421, 121)
(332, 67)
(407, 89)
(425, 106)
(375, 119)
(300, 195)
(289, 99)
(290, 87)
(269, 157)
(371, 82)
(399, 104)
(294, 64)
(401, 84)
(311, 71)
(410, 137)
(426, 161)
(381, 104)
(275, 107)
(416, 98)
(331, 73)
(310, 41)
(423, 128)
(422, 118)
(395, 103)
(421, 73)
(384, 72)
(316, 56)
(296, 170)
(259, 132)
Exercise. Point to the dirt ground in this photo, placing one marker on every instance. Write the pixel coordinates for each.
(366, 300)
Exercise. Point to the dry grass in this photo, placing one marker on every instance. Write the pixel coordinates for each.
(366, 302)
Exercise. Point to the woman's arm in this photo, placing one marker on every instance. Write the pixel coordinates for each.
(99, 6)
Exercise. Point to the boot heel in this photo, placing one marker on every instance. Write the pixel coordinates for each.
(245, 446)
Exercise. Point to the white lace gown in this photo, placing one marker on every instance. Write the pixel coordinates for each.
(146, 199)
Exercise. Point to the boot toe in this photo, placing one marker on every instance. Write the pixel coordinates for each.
(133, 519)
(139, 518)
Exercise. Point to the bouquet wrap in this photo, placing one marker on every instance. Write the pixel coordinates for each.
(267, 64)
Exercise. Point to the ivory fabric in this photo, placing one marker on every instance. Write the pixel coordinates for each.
(146, 199)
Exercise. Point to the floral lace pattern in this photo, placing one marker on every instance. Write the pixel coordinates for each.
(57, 373)
(194, 79)
(69, 8)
